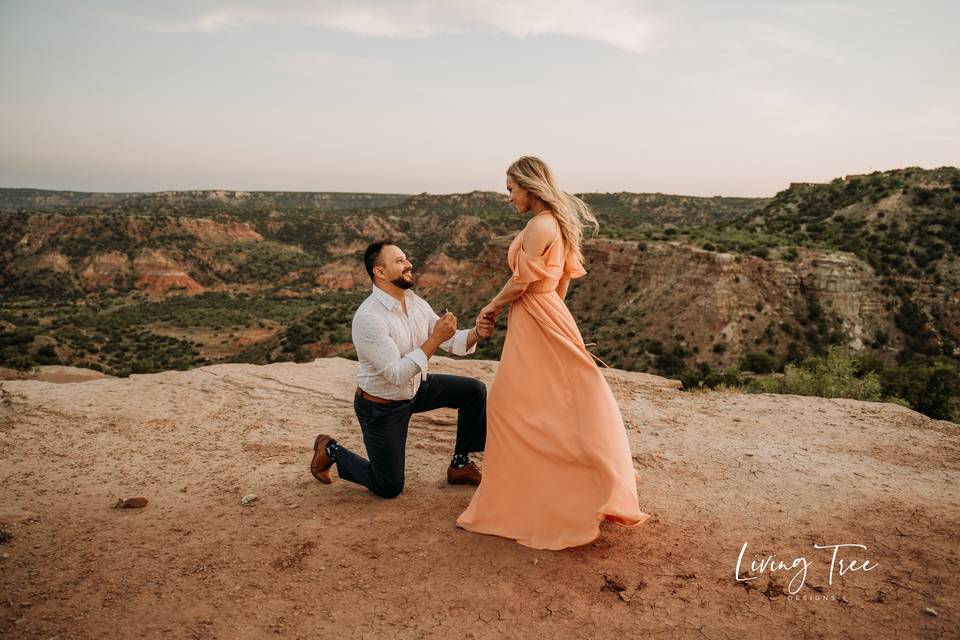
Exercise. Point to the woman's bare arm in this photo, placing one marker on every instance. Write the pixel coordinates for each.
(510, 292)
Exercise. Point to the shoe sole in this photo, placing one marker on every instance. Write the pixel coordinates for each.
(476, 484)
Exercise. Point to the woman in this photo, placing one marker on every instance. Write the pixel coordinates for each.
(557, 460)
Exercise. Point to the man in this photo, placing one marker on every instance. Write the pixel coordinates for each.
(395, 333)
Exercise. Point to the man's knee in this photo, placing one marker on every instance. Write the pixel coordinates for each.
(478, 389)
(388, 488)
(389, 492)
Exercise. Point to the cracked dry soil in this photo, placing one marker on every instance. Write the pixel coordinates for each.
(305, 560)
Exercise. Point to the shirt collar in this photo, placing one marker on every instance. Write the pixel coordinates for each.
(386, 299)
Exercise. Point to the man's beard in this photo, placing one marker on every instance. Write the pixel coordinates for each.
(402, 282)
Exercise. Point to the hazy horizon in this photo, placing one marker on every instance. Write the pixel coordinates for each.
(414, 193)
(700, 98)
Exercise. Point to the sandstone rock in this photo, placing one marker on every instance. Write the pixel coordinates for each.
(130, 503)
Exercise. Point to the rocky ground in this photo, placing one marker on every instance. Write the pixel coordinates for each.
(718, 470)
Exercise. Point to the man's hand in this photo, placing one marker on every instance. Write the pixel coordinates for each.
(445, 328)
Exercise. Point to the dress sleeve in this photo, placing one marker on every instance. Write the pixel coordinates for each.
(527, 269)
(573, 267)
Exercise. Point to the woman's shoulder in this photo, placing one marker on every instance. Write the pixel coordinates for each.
(539, 233)
(544, 224)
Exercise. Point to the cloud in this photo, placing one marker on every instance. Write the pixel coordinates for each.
(613, 22)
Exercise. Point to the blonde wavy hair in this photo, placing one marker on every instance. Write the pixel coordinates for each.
(571, 212)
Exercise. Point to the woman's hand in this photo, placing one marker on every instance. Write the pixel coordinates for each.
(490, 312)
(483, 327)
(486, 320)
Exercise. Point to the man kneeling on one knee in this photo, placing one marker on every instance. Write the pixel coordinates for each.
(395, 333)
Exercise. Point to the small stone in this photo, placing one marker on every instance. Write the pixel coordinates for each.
(930, 611)
(131, 503)
(613, 583)
(624, 596)
(536, 561)
(248, 499)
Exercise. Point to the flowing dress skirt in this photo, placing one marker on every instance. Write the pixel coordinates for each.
(557, 460)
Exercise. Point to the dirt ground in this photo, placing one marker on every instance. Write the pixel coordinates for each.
(305, 560)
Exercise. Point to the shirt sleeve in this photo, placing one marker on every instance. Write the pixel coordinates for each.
(457, 345)
(374, 344)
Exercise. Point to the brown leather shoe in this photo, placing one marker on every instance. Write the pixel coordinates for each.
(468, 474)
(321, 463)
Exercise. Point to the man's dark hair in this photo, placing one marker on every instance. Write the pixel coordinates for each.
(371, 257)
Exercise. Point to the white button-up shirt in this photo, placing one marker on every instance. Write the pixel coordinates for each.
(387, 341)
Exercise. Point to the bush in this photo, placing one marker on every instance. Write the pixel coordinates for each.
(922, 196)
(47, 355)
(47, 351)
(930, 386)
(758, 362)
(704, 377)
(831, 377)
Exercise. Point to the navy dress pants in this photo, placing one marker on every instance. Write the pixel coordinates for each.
(384, 428)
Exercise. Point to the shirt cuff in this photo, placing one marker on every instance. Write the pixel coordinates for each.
(420, 358)
(459, 347)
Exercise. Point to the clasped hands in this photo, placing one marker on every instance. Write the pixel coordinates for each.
(486, 320)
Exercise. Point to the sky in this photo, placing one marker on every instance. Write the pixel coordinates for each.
(717, 97)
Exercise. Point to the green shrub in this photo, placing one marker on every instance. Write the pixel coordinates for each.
(758, 362)
(929, 385)
(830, 377)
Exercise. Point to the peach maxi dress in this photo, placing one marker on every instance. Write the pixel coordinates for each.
(557, 459)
